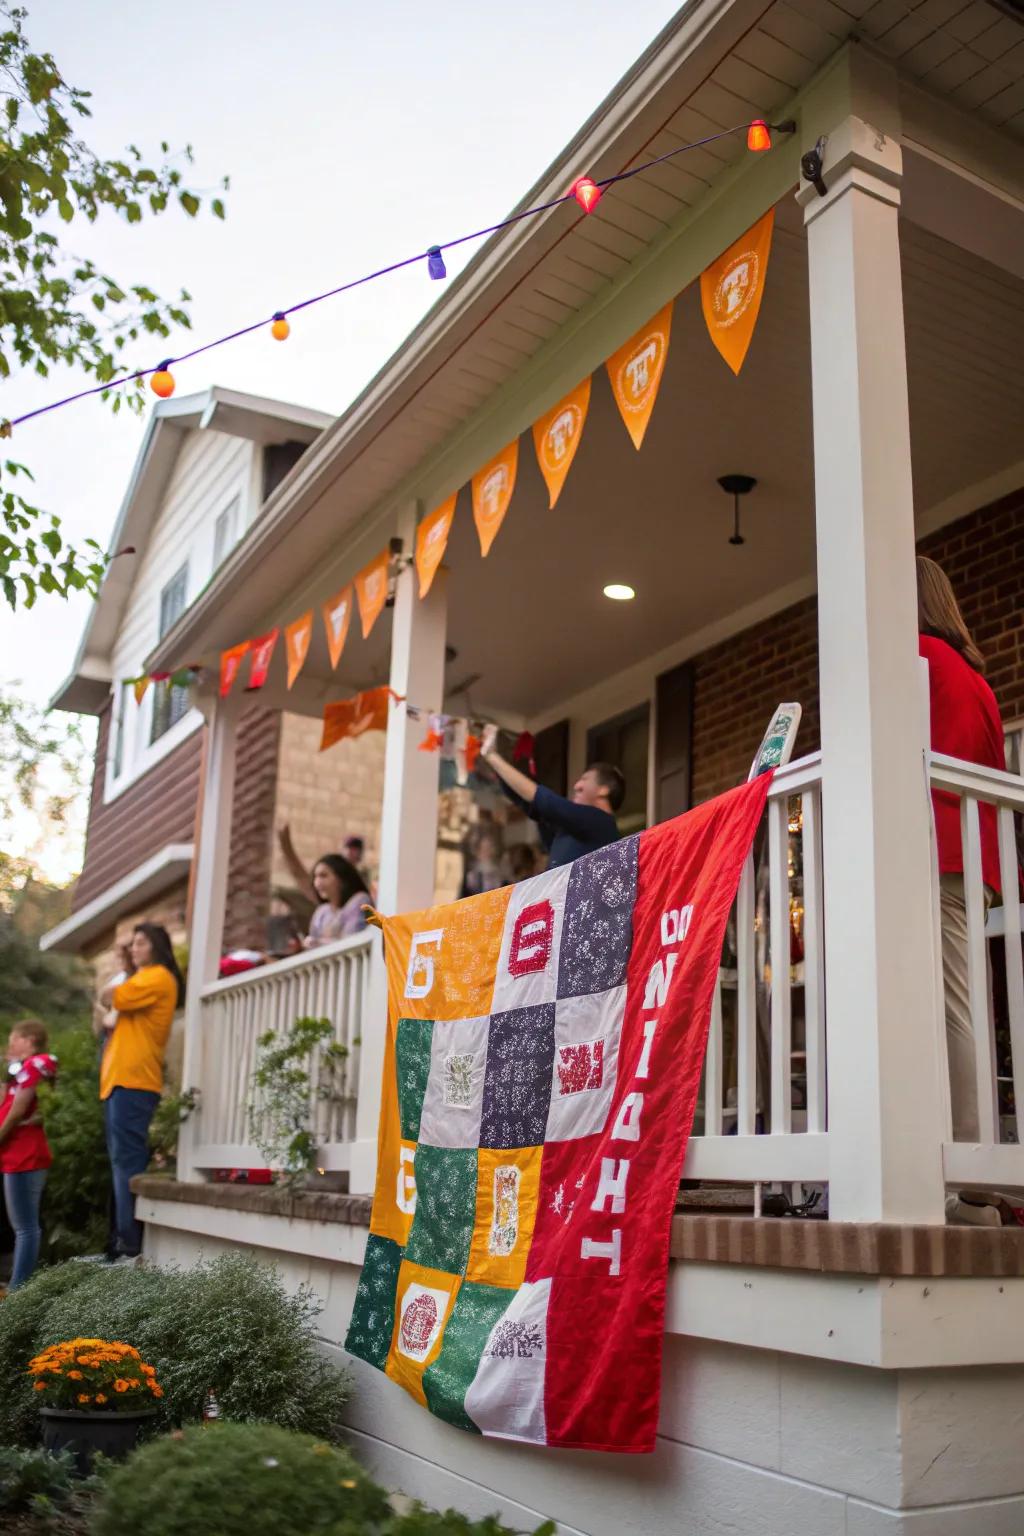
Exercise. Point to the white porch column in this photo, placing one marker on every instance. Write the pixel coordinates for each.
(209, 896)
(885, 1121)
(408, 839)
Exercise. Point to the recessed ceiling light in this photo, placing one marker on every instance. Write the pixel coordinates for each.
(619, 592)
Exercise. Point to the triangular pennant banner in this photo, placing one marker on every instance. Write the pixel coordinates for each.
(296, 643)
(635, 372)
(139, 686)
(731, 290)
(230, 662)
(557, 435)
(492, 492)
(261, 653)
(432, 541)
(372, 591)
(337, 617)
(354, 717)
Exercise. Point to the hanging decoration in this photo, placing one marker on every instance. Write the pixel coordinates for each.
(556, 438)
(473, 745)
(337, 616)
(492, 491)
(523, 752)
(162, 381)
(586, 192)
(296, 644)
(261, 653)
(432, 541)
(372, 590)
(139, 686)
(368, 711)
(731, 290)
(230, 662)
(433, 741)
(635, 372)
(279, 327)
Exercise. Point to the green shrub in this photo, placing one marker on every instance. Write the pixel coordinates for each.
(40, 1494)
(241, 1480)
(23, 1318)
(75, 1202)
(429, 1522)
(228, 1325)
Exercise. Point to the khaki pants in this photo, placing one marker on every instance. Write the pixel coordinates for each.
(963, 1081)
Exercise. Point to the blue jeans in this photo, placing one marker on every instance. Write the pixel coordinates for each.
(128, 1112)
(22, 1194)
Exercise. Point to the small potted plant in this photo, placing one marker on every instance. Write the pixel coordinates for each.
(95, 1395)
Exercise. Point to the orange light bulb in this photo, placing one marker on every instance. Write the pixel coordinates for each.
(280, 329)
(162, 381)
(758, 137)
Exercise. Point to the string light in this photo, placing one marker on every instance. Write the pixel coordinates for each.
(280, 329)
(162, 382)
(587, 193)
(435, 263)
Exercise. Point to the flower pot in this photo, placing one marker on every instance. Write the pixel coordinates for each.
(84, 1433)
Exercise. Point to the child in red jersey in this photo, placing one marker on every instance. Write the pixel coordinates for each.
(24, 1150)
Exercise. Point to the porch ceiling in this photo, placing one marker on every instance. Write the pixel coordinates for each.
(717, 64)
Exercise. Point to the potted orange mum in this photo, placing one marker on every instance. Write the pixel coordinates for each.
(94, 1395)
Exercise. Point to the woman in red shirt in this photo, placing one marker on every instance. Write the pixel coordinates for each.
(965, 723)
(24, 1150)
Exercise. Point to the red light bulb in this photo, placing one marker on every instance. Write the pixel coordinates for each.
(758, 137)
(587, 193)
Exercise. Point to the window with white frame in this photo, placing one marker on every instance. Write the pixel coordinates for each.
(170, 704)
(226, 531)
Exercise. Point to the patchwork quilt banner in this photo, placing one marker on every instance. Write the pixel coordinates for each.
(543, 1057)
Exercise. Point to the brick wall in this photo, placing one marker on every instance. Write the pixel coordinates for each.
(327, 796)
(252, 829)
(739, 682)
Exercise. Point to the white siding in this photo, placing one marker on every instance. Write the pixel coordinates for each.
(212, 469)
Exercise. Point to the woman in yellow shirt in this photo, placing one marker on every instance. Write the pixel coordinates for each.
(132, 1069)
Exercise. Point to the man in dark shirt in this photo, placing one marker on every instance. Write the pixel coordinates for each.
(568, 828)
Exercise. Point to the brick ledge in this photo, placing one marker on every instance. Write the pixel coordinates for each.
(823, 1247)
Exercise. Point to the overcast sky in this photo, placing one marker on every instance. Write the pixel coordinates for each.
(353, 134)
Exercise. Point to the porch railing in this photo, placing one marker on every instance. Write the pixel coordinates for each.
(762, 1115)
(995, 981)
(329, 982)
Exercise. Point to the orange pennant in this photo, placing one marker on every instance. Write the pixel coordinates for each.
(354, 717)
(556, 438)
(296, 643)
(492, 492)
(432, 541)
(139, 686)
(261, 654)
(337, 617)
(372, 590)
(635, 371)
(230, 662)
(731, 290)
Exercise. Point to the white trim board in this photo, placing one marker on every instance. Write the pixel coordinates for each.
(156, 874)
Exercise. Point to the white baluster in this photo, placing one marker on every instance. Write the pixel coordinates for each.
(781, 1009)
(977, 972)
(1012, 943)
(814, 971)
(746, 1004)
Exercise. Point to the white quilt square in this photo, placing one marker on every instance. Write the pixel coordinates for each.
(586, 1060)
(527, 971)
(455, 1086)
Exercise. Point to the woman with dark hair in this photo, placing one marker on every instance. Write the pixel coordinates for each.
(132, 1069)
(965, 723)
(343, 894)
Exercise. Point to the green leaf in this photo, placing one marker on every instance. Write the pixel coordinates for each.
(190, 203)
(218, 208)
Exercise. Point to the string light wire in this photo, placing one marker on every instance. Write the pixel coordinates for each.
(370, 277)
